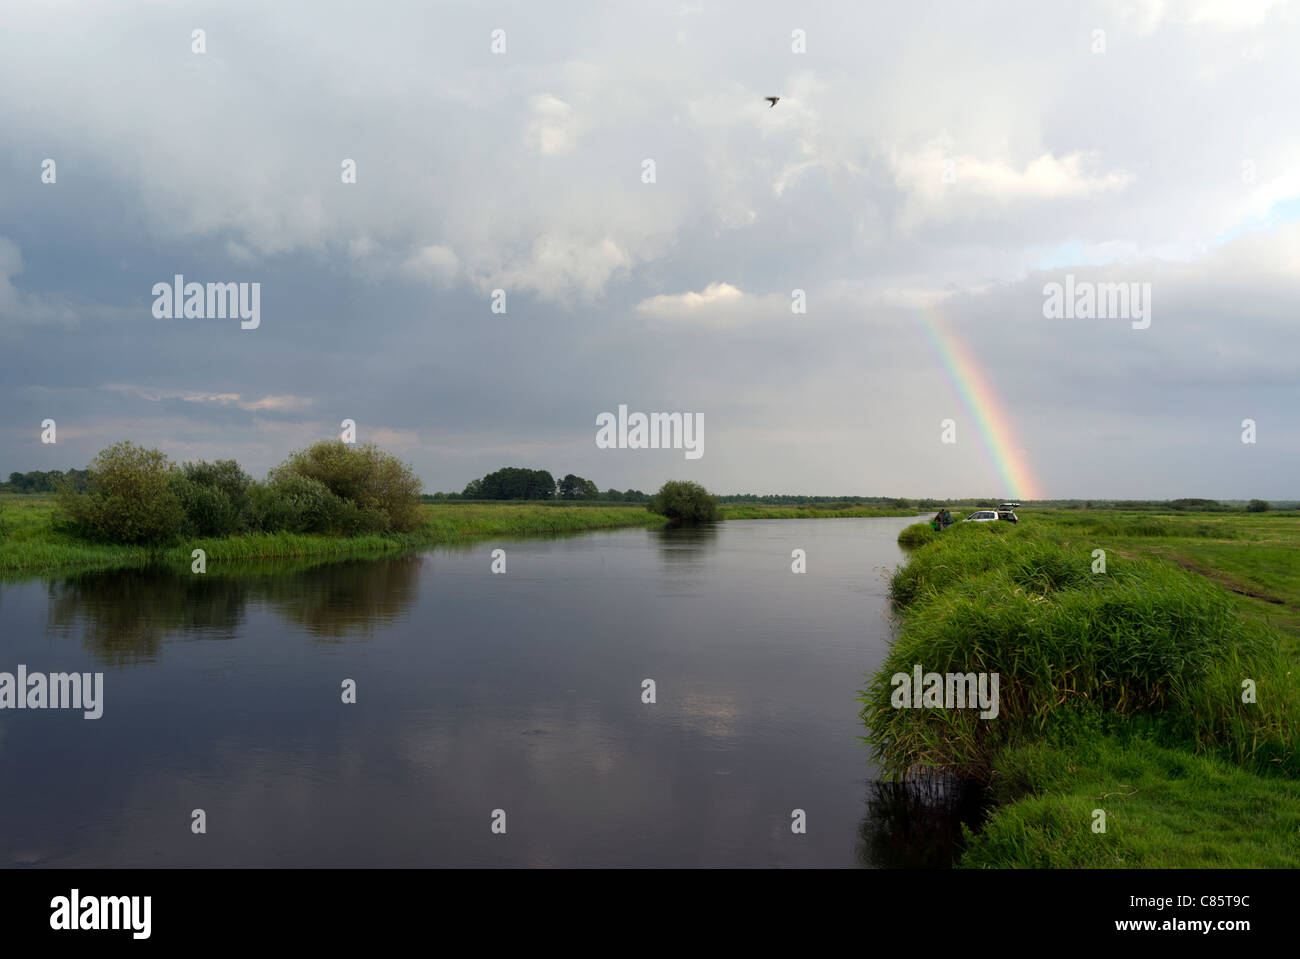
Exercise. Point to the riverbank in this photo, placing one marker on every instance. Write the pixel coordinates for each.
(30, 543)
(1155, 695)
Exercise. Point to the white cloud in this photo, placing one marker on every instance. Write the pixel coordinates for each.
(560, 263)
(717, 306)
(554, 128)
(437, 262)
(943, 184)
(1149, 14)
(690, 304)
(157, 395)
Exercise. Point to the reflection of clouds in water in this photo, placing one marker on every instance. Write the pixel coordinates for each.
(263, 807)
(548, 740)
(577, 783)
(717, 717)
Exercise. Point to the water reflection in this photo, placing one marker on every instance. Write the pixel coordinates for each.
(123, 616)
(918, 823)
(685, 553)
(685, 544)
(348, 600)
(530, 699)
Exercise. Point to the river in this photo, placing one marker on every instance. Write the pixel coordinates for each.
(499, 719)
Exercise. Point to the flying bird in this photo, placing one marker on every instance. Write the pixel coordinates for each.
(772, 100)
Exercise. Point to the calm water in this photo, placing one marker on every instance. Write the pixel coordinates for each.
(475, 692)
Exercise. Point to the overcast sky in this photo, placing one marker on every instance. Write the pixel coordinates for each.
(928, 163)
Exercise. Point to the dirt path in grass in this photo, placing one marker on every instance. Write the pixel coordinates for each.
(1218, 576)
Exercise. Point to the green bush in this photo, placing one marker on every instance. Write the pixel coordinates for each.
(293, 504)
(130, 498)
(1257, 506)
(364, 475)
(684, 502)
(215, 496)
(208, 510)
(348, 519)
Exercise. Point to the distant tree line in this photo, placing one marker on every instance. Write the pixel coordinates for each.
(1185, 504)
(51, 482)
(519, 483)
(791, 500)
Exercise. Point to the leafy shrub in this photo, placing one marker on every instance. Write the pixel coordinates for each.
(216, 497)
(365, 475)
(293, 504)
(684, 502)
(348, 519)
(130, 498)
(208, 510)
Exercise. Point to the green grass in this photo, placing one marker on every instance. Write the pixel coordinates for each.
(1130, 674)
(1164, 808)
(30, 543)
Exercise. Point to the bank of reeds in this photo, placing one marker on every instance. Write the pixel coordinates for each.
(1142, 641)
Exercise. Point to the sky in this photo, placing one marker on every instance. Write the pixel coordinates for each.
(930, 171)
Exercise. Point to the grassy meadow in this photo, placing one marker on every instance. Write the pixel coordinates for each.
(31, 541)
(1120, 690)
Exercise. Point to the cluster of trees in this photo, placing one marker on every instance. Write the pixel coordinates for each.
(627, 496)
(575, 487)
(517, 482)
(51, 482)
(136, 495)
(512, 482)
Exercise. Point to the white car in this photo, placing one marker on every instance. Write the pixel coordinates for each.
(982, 516)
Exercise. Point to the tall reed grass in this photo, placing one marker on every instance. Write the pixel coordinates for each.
(1144, 639)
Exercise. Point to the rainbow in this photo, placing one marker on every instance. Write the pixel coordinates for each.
(1005, 456)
